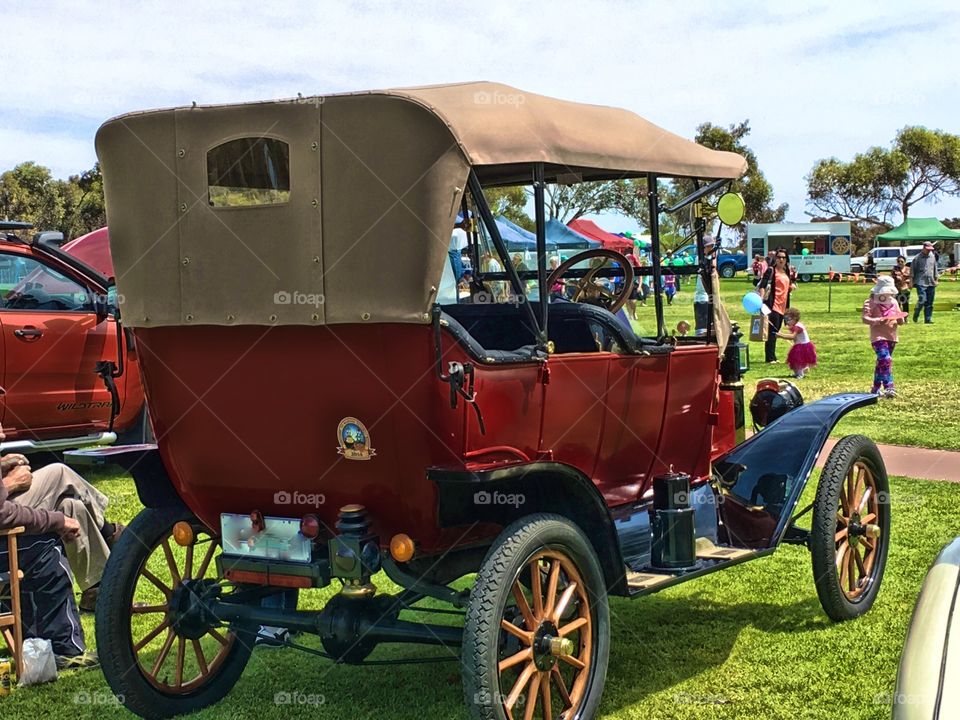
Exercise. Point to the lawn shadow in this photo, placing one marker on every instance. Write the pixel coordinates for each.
(659, 642)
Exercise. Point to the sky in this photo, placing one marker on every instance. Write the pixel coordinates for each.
(815, 79)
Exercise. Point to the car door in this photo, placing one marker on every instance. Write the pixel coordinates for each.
(52, 341)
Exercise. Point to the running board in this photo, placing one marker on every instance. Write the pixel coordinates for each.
(56, 444)
(710, 558)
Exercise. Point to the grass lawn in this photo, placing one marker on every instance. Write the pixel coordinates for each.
(926, 363)
(751, 641)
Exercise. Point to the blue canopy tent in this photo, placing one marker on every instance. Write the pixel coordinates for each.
(566, 239)
(519, 240)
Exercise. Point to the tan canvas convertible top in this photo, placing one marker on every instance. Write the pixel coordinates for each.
(361, 225)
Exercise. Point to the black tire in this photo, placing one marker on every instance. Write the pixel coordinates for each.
(485, 644)
(856, 268)
(728, 270)
(845, 602)
(805, 277)
(114, 637)
(141, 431)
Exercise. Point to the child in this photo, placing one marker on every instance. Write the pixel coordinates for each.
(669, 286)
(803, 354)
(882, 313)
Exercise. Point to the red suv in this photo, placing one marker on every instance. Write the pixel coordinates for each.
(70, 372)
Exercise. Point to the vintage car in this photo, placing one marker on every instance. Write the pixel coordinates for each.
(326, 409)
(62, 352)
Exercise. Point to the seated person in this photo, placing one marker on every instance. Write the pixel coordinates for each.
(58, 489)
(48, 609)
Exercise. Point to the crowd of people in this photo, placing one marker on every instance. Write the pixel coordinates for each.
(885, 309)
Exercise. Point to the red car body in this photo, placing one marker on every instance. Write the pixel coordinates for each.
(618, 418)
(54, 399)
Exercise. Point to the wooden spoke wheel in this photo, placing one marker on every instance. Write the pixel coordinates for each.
(589, 289)
(536, 641)
(161, 648)
(858, 533)
(851, 528)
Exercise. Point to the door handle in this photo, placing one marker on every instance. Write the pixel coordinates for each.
(28, 332)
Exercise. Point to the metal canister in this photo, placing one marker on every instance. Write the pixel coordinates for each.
(5, 670)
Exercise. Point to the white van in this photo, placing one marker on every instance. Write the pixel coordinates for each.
(884, 257)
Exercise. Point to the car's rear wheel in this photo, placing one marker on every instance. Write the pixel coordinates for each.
(806, 277)
(159, 657)
(850, 534)
(856, 268)
(537, 633)
(728, 270)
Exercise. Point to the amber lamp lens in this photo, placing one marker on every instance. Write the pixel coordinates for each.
(310, 526)
(183, 534)
(401, 547)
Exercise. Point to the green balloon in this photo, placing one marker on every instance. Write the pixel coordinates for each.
(805, 251)
(689, 260)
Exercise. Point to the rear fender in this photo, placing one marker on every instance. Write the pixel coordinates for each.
(502, 495)
(764, 477)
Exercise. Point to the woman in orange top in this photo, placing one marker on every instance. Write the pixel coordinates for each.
(776, 287)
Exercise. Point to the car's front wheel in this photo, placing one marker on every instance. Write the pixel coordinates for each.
(850, 533)
(537, 632)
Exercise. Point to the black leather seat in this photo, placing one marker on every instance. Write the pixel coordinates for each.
(502, 332)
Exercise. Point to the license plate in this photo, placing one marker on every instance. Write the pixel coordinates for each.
(279, 540)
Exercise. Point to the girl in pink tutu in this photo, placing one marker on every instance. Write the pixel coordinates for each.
(803, 354)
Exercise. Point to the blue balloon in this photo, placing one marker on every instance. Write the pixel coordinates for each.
(752, 302)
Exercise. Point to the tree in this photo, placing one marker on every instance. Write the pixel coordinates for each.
(510, 202)
(74, 206)
(569, 202)
(30, 193)
(880, 184)
(756, 190)
(85, 207)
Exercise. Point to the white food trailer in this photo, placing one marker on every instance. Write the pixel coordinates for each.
(827, 245)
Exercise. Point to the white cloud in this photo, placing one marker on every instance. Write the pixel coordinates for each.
(830, 79)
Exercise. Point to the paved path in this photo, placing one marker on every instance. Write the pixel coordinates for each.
(913, 462)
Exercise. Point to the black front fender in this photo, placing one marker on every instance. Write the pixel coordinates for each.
(764, 476)
(502, 495)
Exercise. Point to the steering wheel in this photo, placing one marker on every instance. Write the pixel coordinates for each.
(586, 290)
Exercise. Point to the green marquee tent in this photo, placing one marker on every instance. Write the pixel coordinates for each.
(914, 231)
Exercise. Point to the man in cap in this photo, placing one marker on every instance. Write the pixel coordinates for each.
(924, 272)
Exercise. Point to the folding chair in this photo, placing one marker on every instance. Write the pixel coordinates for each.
(10, 626)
